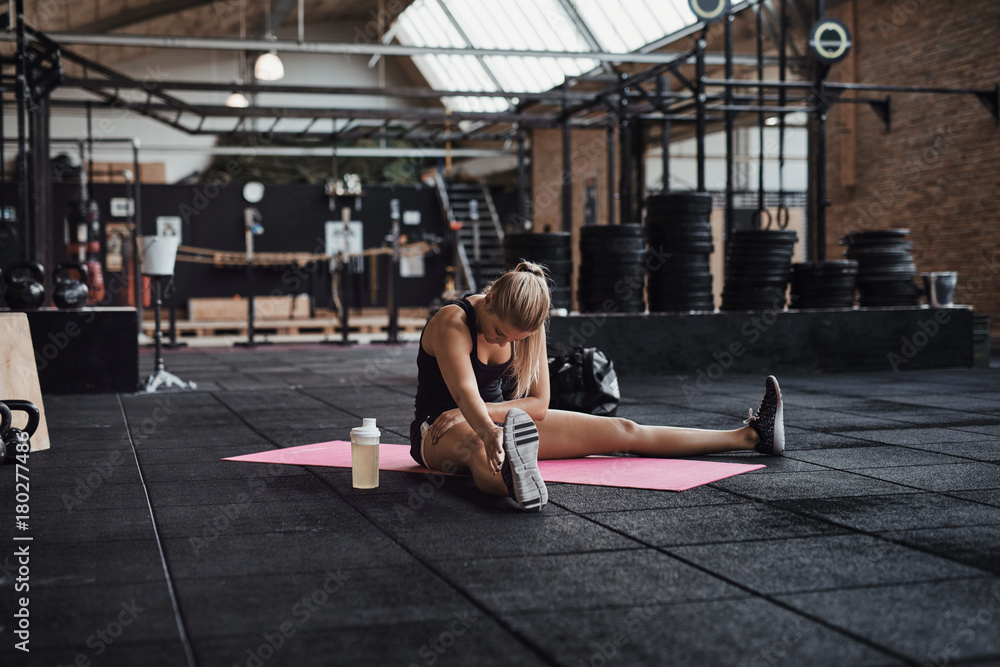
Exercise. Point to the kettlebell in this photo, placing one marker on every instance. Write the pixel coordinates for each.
(5, 422)
(25, 291)
(17, 441)
(70, 292)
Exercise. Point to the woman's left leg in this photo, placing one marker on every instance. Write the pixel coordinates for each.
(570, 435)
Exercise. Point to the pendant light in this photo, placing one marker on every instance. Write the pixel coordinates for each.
(269, 66)
(236, 99)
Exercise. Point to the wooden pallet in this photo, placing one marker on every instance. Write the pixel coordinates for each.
(212, 309)
(325, 326)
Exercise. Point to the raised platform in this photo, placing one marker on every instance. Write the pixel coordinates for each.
(860, 339)
(86, 351)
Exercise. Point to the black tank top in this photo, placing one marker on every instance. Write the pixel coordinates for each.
(433, 396)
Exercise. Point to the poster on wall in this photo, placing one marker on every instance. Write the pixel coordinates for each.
(118, 240)
(412, 266)
(335, 243)
(169, 225)
(122, 207)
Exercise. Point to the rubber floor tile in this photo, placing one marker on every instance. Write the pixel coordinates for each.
(712, 524)
(744, 631)
(929, 623)
(818, 563)
(467, 637)
(237, 605)
(509, 535)
(896, 512)
(267, 554)
(583, 581)
(959, 477)
(91, 616)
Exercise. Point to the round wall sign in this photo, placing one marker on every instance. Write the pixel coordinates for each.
(829, 40)
(253, 191)
(709, 10)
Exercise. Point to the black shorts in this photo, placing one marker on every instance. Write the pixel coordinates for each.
(417, 438)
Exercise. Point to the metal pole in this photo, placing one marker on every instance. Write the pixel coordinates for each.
(730, 138)
(664, 139)
(158, 334)
(625, 148)
(522, 179)
(23, 95)
(782, 101)
(638, 173)
(760, 114)
(821, 71)
(610, 143)
(137, 215)
(567, 176)
(700, 122)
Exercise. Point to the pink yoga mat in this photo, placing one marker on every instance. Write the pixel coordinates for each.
(627, 472)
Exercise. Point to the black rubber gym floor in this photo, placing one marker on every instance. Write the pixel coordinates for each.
(875, 540)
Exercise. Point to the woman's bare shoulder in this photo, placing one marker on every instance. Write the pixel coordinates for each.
(448, 326)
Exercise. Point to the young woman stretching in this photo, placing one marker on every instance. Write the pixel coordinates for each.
(483, 396)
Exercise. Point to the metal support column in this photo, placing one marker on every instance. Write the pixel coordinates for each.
(637, 173)
(41, 190)
(610, 143)
(730, 215)
(567, 176)
(137, 216)
(522, 180)
(625, 150)
(819, 128)
(23, 97)
(661, 87)
(701, 99)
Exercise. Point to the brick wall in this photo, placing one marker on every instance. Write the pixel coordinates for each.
(590, 163)
(937, 172)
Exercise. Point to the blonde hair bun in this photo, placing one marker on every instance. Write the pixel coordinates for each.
(530, 267)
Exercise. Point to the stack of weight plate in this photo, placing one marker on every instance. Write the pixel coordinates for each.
(612, 269)
(553, 251)
(886, 271)
(824, 284)
(678, 224)
(758, 267)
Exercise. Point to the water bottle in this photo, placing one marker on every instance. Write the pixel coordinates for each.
(364, 454)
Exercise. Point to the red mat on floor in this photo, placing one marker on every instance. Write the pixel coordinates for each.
(627, 472)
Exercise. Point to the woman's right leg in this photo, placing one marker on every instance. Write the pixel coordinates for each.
(570, 435)
(460, 449)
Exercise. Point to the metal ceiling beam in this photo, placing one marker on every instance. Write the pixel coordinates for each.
(582, 28)
(279, 12)
(368, 48)
(404, 114)
(468, 43)
(553, 97)
(140, 14)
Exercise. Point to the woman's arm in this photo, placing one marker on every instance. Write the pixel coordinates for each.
(536, 403)
(447, 339)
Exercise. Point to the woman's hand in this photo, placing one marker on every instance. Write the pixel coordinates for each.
(444, 422)
(492, 438)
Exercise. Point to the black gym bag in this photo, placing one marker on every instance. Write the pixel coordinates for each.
(583, 379)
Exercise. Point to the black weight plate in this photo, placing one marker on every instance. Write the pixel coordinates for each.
(514, 255)
(683, 198)
(601, 246)
(828, 268)
(631, 230)
(538, 240)
(765, 234)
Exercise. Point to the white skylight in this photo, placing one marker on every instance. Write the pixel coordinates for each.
(553, 25)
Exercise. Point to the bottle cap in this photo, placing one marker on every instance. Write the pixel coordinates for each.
(367, 429)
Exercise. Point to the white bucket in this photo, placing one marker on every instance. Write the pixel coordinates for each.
(157, 254)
